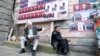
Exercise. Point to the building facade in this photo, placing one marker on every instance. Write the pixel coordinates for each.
(74, 16)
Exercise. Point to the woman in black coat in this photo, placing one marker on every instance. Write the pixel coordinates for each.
(58, 42)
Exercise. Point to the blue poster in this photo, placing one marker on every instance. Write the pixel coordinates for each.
(23, 3)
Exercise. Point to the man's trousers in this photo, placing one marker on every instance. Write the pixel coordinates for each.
(34, 42)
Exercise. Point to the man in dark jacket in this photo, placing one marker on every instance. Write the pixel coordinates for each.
(58, 42)
(30, 31)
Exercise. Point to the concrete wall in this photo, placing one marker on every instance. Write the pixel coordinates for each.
(5, 18)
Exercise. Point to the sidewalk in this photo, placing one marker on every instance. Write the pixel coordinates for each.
(8, 51)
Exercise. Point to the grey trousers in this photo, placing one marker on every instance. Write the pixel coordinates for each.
(34, 43)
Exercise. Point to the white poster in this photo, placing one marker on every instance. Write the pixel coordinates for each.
(80, 26)
(55, 9)
(55, 6)
(48, 8)
(63, 4)
(63, 8)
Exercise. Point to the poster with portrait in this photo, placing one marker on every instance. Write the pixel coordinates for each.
(48, 8)
(82, 26)
(63, 9)
(55, 8)
(83, 20)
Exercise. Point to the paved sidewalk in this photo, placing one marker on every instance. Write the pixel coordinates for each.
(7, 51)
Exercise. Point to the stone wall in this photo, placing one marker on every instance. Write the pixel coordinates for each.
(6, 7)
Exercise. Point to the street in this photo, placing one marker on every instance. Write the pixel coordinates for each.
(8, 51)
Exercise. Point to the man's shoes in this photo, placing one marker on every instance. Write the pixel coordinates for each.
(33, 52)
(61, 53)
(22, 51)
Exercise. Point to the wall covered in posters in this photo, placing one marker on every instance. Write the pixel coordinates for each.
(37, 10)
(82, 24)
(83, 15)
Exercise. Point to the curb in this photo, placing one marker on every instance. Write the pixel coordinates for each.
(47, 48)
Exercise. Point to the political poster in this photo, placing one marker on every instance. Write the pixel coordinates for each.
(23, 3)
(83, 20)
(59, 8)
(63, 11)
(44, 9)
